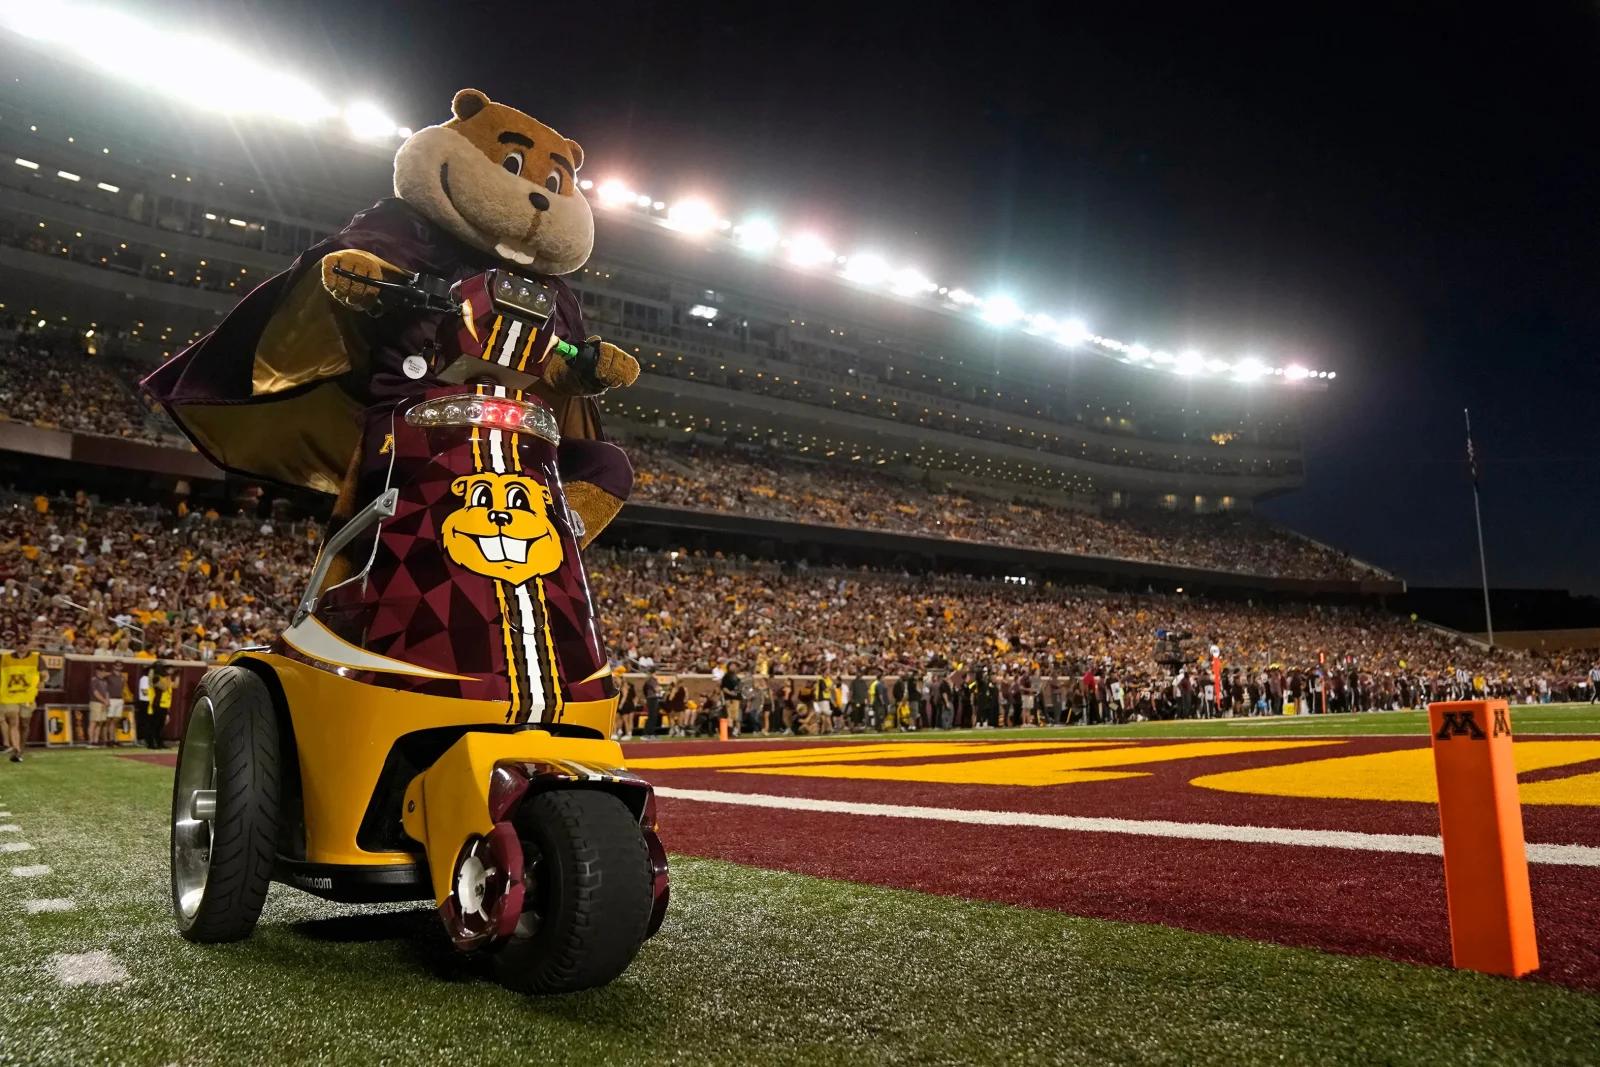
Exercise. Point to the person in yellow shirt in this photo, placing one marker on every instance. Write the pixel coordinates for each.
(19, 691)
(166, 683)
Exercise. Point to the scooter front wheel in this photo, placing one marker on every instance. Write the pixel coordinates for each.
(225, 808)
(588, 895)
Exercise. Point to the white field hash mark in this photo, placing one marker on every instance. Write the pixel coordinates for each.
(48, 904)
(34, 871)
(15, 846)
(1416, 844)
(10, 828)
(87, 968)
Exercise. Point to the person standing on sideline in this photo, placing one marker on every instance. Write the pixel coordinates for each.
(146, 708)
(99, 702)
(1594, 684)
(732, 687)
(652, 703)
(165, 685)
(117, 683)
(19, 691)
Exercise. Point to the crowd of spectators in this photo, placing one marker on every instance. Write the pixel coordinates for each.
(679, 613)
(166, 581)
(60, 378)
(743, 482)
(161, 581)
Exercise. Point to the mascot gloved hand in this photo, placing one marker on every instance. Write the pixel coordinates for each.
(598, 366)
(349, 291)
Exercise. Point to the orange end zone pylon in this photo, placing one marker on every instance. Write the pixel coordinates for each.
(1480, 821)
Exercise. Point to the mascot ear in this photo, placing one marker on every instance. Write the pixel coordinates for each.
(459, 487)
(577, 153)
(467, 103)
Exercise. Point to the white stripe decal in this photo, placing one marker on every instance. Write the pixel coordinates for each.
(1415, 844)
(528, 634)
(509, 347)
(496, 438)
(313, 639)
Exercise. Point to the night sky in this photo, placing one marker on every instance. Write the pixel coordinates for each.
(1405, 197)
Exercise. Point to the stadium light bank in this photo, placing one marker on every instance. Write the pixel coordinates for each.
(172, 63)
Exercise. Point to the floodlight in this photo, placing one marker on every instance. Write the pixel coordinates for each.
(756, 235)
(1001, 310)
(866, 268)
(368, 122)
(909, 281)
(613, 193)
(1075, 332)
(691, 216)
(809, 250)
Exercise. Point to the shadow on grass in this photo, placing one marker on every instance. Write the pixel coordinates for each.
(419, 937)
(416, 924)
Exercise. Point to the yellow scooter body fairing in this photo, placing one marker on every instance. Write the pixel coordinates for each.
(344, 732)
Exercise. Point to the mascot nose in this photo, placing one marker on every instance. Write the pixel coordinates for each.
(540, 201)
(500, 518)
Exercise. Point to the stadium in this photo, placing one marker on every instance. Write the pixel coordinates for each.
(984, 713)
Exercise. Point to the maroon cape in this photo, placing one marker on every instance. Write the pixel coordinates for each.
(325, 365)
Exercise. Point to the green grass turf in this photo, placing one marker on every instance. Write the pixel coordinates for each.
(752, 967)
(1526, 720)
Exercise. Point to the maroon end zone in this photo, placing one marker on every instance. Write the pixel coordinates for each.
(1359, 900)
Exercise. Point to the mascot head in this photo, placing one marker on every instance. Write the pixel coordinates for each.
(502, 528)
(502, 182)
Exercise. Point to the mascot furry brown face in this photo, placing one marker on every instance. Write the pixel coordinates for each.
(277, 390)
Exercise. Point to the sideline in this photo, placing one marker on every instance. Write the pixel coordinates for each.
(1415, 844)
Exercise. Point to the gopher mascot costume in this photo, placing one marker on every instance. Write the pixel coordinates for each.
(277, 390)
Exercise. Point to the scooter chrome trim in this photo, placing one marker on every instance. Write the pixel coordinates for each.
(381, 508)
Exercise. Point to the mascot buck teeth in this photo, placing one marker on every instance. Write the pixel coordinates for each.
(277, 390)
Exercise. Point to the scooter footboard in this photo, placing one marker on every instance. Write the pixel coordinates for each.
(461, 810)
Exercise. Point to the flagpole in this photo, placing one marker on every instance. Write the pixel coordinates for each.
(1477, 514)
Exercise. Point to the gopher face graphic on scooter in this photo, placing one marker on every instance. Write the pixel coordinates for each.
(503, 528)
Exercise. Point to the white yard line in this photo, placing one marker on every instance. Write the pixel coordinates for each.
(37, 870)
(48, 904)
(1416, 844)
(87, 968)
(10, 828)
(15, 846)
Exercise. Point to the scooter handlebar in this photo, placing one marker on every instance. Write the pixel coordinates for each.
(421, 291)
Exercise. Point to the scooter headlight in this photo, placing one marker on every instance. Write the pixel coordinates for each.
(490, 412)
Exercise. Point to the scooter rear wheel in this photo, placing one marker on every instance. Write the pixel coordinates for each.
(588, 896)
(225, 808)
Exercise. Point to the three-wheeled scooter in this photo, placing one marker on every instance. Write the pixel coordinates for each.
(436, 720)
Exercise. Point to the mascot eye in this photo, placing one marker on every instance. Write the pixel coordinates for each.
(481, 497)
(513, 163)
(553, 183)
(517, 499)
